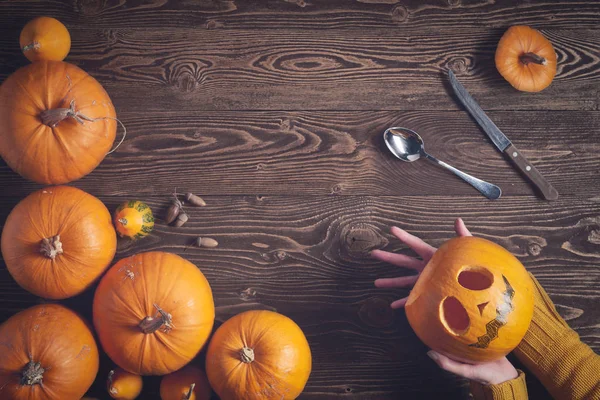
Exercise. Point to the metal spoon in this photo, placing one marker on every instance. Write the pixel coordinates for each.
(408, 146)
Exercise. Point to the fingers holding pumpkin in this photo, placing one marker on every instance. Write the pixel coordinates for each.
(460, 228)
(418, 245)
(448, 364)
(423, 249)
(400, 282)
(399, 303)
(399, 260)
(488, 373)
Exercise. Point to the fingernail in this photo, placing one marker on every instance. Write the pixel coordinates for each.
(433, 355)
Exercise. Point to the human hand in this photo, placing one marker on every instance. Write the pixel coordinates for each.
(424, 250)
(489, 373)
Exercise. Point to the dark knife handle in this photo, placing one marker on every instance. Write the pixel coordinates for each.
(531, 173)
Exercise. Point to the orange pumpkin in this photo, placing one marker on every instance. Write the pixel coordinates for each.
(189, 383)
(134, 219)
(526, 59)
(473, 301)
(153, 312)
(123, 385)
(48, 353)
(258, 355)
(57, 122)
(57, 241)
(45, 38)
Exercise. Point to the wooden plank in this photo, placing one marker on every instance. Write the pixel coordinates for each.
(307, 258)
(306, 14)
(197, 69)
(273, 244)
(340, 153)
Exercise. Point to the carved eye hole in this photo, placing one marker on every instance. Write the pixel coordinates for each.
(475, 278)
(454, 316)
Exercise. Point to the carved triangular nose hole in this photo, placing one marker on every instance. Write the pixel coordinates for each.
(481, 307)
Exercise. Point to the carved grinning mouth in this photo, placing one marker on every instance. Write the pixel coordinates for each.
(502, 311)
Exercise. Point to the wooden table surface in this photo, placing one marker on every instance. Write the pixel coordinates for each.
(274, 112)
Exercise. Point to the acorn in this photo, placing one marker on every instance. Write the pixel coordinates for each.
(206, 242)
(181, 219)
(194, 200)
(173, 212)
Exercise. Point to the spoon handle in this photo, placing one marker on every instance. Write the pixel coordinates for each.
(489, 190)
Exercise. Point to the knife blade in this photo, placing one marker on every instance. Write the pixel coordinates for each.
(501, 141)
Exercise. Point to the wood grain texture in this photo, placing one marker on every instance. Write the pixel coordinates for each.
(337, 153)
(274, 110)
(308, 258)
(199, 69)
(305, 14)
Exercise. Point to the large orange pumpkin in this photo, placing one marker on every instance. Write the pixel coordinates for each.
(47, 353)
(57, 241)
(526, 59)
(56, 122)
(153, 312)
(45, 38)
(258, 355)
(189, 383)
(473, 301)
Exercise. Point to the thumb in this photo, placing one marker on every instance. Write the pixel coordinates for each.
(447, 364)
(460, 228)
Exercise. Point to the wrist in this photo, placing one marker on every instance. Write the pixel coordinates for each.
(512, 389)
(506, 373)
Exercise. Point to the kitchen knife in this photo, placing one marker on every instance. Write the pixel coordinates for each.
(501, 141)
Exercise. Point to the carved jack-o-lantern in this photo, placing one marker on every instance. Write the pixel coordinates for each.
(473, 301)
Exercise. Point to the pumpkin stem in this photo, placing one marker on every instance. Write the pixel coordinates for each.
(247, 355)
(123, 221)
(162, 320)
(111, 388)
(32, 374)
(51, 247)
(527, 58)
(190, 392)
(53, 117)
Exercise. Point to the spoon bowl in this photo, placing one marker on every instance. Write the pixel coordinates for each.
(408, 146)
(404, 143)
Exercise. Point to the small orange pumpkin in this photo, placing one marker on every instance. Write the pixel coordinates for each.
(45, 38)
(189, 383)
(133, 219)
(57, 241)
(526, 59)
(58, 123)
(473, 301)
(48, 353)
(153, 312)
(123, 385)
(258, 355)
